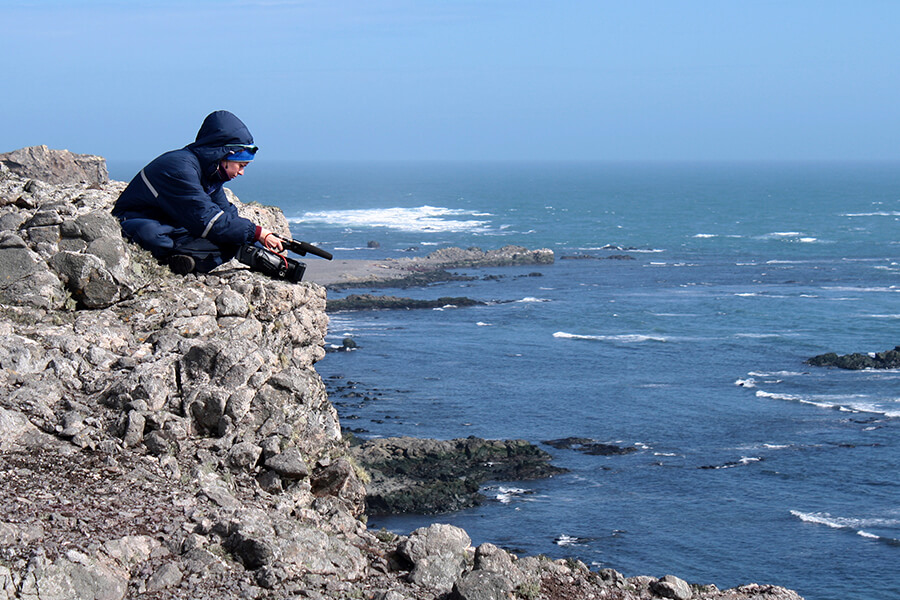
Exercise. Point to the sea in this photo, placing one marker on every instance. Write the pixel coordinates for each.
(674, 323)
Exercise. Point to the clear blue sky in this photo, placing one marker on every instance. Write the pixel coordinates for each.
(458, 79)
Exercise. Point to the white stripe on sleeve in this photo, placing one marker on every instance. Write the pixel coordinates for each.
(147, 181)
(211, 221)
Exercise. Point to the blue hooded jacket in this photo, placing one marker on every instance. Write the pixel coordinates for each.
(182, 191)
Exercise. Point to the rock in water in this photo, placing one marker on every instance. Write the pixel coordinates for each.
(412, 475)
(889, 359)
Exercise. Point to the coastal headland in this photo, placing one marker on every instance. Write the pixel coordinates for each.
(169, 437)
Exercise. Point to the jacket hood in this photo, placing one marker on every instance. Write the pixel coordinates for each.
(218, 129)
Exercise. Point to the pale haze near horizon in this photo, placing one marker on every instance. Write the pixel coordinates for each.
(466, 80)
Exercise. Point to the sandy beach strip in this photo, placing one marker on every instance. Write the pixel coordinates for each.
(329, 272)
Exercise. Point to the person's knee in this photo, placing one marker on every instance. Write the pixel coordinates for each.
(149, 234)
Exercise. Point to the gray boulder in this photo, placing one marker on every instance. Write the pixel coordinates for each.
(439, 554)
(483, 585)
(24, 277)
(672, 587)
(493, 559)
(289, 465)
(244, 455)
(168, 575)
(87, 278)
(74, 576)
(284, 548)
(439, 572)
(56, 166)
(96, 225)
(231, 304)
(435, 540)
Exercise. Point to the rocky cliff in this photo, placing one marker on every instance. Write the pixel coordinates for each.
(169, 437)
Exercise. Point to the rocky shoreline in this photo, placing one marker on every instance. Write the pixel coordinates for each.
(169, 437)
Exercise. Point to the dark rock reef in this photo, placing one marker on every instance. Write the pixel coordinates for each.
(169, 437)
(589, 446)
(890, 359)
(374, 302)
(411, 475)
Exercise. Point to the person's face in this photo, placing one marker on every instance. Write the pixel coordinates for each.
(233, 168)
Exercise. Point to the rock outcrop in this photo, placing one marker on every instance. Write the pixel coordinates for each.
(169, 437)
(412, 475)
(889, 359)
(56, 166)
(430, 269)
(373, 302)
(190, 405)
(589, 446)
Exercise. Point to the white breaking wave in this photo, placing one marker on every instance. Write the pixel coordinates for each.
(866, 534)
(892, 289)
(568, 540)
(851, 403)
(851, 524)
(892, 213)
(823, 518)
(791, 236)
(758, 335)
(741, 462)
(626, 338)
(775, 373)
(426, 219)
(532, 299)
(505, 495)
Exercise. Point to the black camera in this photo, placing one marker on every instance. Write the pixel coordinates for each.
(271, 264)
(302, 248)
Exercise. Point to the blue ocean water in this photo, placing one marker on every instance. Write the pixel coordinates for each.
(750, 465)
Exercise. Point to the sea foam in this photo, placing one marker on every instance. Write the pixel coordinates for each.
(851, 403)
(892, 213)
(505, 495)
(625, 338)
(850, 524)
(426, 219)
